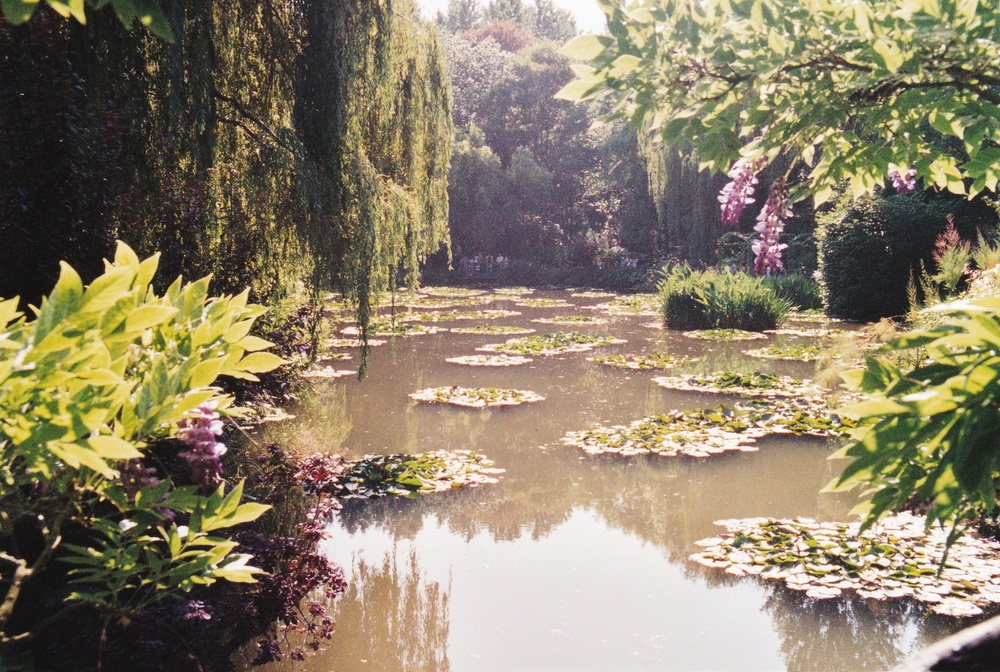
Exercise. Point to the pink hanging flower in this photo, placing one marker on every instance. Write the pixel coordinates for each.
(770, 225)
(739, 192)
(904, 184)
(200, 432)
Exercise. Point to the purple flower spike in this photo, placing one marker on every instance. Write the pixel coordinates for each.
(739, 192)
(904, 184)
(200, 432)
(770, 224)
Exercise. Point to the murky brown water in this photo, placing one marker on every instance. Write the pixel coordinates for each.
(573, 562)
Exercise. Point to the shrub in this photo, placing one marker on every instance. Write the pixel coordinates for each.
(693, 300)
(801, 291)
(85, 388)
(871, 246)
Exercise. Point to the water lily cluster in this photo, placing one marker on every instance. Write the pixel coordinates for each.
(490, 360)
(744, 384)
(770, 224)
(556, 343)
(476, 397)
(542, 303)
(571, 319)
(725, 335)
(738, 193)
(413, 475)
(705, 432)
(792, 353)
(399, 329)
(633, 304)
(650, 361)
(897, 558)
(493, 329)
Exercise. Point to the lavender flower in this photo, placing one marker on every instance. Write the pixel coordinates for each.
(904, 184)
(739, 192)
(200, 433)
(136, 476)
(770, 226)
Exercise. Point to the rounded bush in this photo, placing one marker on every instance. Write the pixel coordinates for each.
(869, 249)
(712, 299)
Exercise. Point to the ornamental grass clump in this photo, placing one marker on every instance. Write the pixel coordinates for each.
(700, 300)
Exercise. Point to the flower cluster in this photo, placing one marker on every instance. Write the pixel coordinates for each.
(739, 192)
(200, 432)
(770, 226)
(136, 476)
(904, 184)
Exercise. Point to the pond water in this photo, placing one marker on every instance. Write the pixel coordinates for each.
(574, 562)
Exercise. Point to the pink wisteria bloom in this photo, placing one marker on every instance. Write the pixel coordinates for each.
(738, 193)
(770, 224)
(904, 184)
(203, 455)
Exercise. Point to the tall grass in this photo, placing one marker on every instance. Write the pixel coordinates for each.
(719, 300)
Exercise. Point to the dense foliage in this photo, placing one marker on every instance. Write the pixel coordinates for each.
(929, 434)
(272, 143)
(99, 374)
(719, 300)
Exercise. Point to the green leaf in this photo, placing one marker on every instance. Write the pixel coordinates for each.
(18, 11)
(113, 448)
(205, 373)
(585, 47)
(148, 316)
(259, 362)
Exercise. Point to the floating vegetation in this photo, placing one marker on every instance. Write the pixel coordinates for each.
(327, 373)
(451, 292)
(263, 412)
(493, 329)
(807, 333)
(556, 343)
(542, 303)
(897, 558)
(701, 433)
(490, 360)
(455, 315)
(633, 304)
(476, 397)
(513, 291)
(745, 384)
(794, 353)
(415, 475)
(350, 342)
(650, 361)
(814, 315)
(594, 295)
(572, 320)
(334, 357)
(399, 329)
(725, 335)
(434, 302)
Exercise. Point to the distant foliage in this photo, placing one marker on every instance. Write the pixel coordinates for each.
(801, 291)
(869, 249)
(696, 300)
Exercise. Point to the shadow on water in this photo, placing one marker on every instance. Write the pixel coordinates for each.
(575, 562)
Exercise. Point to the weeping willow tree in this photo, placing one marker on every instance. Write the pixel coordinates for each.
(271, 142)
(686, 199)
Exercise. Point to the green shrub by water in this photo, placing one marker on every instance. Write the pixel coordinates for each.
(693, 300)
(802, 291)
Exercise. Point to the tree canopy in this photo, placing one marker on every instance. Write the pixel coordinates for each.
(851, 90)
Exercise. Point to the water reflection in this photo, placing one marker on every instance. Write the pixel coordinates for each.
(574, 562)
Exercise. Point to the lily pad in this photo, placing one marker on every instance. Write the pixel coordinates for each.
(415, 475)
(451, 292)
(633, 304)
(744, 384)
(434, 302)
(476, 397)
(513, 291)
(794, 353)
(594, 295)
(327, 373)
(493, 330)
(490, 360)
(725, 335)
(897, 558)
(542, 303)
(350, 342)
(645, 362)
(556, 343)
(400, 329)
(572, 320)
(807, 333)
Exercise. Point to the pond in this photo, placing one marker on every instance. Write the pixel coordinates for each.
(574, 561)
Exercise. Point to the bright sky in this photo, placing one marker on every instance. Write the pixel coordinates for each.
(589, 18)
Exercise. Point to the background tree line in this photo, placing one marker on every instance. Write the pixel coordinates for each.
(268, 143)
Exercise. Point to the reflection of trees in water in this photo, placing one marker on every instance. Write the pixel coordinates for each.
(819, 634)
(393, 617)
(322, 422)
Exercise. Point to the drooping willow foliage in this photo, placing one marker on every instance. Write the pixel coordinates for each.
(275, 141)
